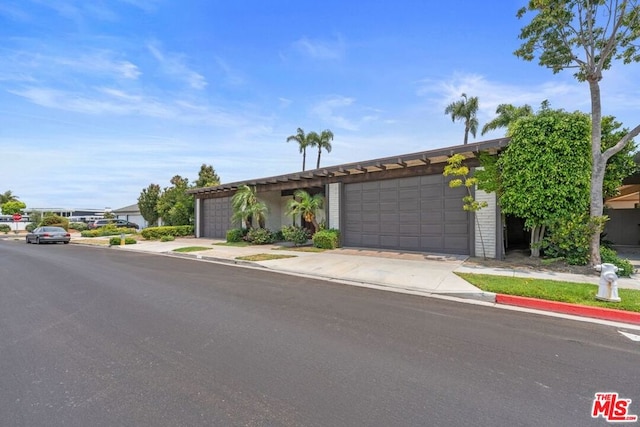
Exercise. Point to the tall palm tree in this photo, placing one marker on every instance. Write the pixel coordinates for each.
(306, 205)
(303, 143)
(8, 196)
(246, 207)
(323, 140)
(507, 114)
(465, 109)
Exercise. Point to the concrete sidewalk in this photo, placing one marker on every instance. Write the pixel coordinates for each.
(415, 273)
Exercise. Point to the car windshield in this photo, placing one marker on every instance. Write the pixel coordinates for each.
(53, 229)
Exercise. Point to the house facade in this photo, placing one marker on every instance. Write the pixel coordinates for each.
(398, 203)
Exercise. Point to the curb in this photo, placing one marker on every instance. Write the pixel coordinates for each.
(567, 308)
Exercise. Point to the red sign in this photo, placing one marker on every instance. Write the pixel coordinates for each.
(17, 217)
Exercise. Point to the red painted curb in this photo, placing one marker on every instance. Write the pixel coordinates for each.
(563, 307)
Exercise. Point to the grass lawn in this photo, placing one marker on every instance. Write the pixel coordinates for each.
(234, 244)
(192, 249)
(299, 248)
(575, 293)
(263, 257)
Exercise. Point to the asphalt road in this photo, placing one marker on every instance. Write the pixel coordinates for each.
(109, 337)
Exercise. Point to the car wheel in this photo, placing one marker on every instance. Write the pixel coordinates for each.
(27, 239)
(37, 240)
(66, 243)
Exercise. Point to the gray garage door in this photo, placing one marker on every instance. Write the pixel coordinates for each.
(417, 214)
(216, 217)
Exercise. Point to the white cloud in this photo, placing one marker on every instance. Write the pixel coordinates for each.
(174, 65)
(321, 49)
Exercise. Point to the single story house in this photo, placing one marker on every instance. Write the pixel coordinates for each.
(399, 203)
(131, 213)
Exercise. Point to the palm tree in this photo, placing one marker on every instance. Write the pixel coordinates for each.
(8, 196)
(246, 207)
(321, 141)
(303, 143)
(306, 205)
(507, 114)
(465, 109)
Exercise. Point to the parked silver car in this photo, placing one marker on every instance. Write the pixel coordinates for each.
(48, 235)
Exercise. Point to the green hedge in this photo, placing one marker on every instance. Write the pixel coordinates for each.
(260, 236)
(115, 241)
(155, 233)
(295, 234)
(107, 231)
(327, 239)
(235, 235)
(79, 226)
(5, 228)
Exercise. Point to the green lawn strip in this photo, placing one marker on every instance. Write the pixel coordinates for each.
(551, 290)
(234, 244)
(263, 257)
(299, 248)
(192, 249)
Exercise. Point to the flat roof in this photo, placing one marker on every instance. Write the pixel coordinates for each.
(421, 158)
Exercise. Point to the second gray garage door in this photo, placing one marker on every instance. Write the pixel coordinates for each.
(417, 214)
(217, 217)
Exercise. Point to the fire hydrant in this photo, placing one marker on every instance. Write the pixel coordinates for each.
(608, 286)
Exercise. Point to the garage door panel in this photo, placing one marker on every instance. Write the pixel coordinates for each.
(416, 213)
(216, 217)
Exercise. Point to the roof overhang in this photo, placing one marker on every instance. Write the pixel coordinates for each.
(380, 166)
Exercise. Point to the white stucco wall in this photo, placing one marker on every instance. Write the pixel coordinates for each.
(333, 203)
(273, 201)
(486, 225)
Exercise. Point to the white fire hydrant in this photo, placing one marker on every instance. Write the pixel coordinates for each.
(608, 286)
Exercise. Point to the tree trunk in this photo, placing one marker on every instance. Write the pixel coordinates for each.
(598, 164)
(304, 158)
(466, 135)
(319, 154)
(537, 233)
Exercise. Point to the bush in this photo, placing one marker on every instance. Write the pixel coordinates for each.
(327, 239)
(608, 255)
(55, 221)
(235, 235)
(155, 233)
(570, 240)
(295, 234)
(30, 227)
(167, 239)
(115, 241)
(107, 230)
(5, 228)
(79, 226)
(259, 236)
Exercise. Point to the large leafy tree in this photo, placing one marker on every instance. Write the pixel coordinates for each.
(322, 141)
(303, 142)
(507, 114)
(544, 172)
(148, 204)
(587, 36)
(7, 196)
(207, 177)
(175, 206)
(247, 207)
(465, 109)
(12, 207)
(305, 205)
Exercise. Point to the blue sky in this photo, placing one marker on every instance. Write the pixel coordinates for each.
(99, 99)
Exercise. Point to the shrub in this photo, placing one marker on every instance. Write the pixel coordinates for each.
(5, 228)
(107, 230)
(79, 226)
(259, 236)
(167, 239)
(327, 239)
(295, 234)
(115, 241)
(608, 255)
(235, 235)
(569, 239)
(30, 227)
(155, 233)
(55, 221)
